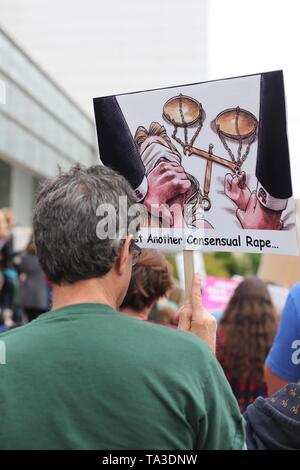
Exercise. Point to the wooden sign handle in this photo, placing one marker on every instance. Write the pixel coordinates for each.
(189, 269)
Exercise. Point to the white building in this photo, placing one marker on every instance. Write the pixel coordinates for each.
(41, 128)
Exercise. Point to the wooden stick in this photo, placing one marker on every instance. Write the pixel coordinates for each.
(211, 157)
(189, 269)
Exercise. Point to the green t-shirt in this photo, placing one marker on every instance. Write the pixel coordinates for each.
(86, 377)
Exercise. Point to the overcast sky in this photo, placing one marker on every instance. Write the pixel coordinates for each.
(259, 36)
(96, 47)
(99, 47)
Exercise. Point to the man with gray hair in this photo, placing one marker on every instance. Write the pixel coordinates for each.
(86, 377)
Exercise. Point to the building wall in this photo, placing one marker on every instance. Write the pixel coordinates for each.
(103, 48)
(21, 194)
(41, 129)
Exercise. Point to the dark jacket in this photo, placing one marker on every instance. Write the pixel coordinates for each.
(274, 423)
(32, 293)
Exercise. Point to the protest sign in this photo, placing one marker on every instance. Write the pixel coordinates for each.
(217, 292)
(209, 161)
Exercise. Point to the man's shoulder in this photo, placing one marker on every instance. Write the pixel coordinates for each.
(149, 338)
(179, 356)
(168, 337)
(291, 311)
(295, 296)
(15, 334)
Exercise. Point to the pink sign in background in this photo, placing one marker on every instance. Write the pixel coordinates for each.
(217, 291)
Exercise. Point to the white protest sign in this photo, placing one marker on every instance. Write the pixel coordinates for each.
(209, 161)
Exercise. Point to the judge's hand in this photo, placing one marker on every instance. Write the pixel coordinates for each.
(256, 216)
(166, 183)
(194, 318)
(236, 189)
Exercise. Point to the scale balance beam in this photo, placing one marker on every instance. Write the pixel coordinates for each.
(211, 157)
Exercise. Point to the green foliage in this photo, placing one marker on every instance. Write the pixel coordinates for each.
(230, 264)
(172, 260)
(215, 266)
(224, 264)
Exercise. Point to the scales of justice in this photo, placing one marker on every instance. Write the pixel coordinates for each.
(235, 124)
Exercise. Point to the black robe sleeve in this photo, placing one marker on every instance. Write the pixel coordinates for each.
(117, 148)
(273, 164)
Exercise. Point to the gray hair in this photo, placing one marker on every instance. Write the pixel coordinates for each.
(65, 223)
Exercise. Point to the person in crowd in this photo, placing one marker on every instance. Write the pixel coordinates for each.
(8, 246)
(4, 231)
(2, 327)
(10, 276)
(4, 234)
(165, 312)
(151, 279)
(167, 307)
(283, 362)
(33, 297)
(49, 293)
(3, 238)
(245, 336)
(97, 379)
(274, 423)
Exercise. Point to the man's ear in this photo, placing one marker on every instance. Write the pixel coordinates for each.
(124, 255)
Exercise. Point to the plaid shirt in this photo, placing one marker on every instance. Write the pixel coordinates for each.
(245, 390)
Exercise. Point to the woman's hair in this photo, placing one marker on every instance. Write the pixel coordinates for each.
(151, 279)
(10, 217)
(155, 129)
(4, 231)
(249, 325)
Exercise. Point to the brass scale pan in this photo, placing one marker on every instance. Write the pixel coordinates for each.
(234, 123)
(191, 111)
(225, 121)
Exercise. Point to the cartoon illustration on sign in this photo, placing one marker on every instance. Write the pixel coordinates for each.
(219, 148)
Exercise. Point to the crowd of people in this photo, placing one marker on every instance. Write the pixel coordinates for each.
(123, 360)
(24, 292)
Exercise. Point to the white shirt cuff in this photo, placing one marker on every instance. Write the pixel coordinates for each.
(268, 201)
(142, 190)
